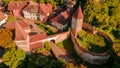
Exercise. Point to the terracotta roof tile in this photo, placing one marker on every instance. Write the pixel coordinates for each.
(36, 46)
(65, 14)
(35, 32)
(22, 23)
(32, 7)
(17, 5)
(2, 16)
(37, 37)
(19, 32)
(61, 19)
(78, 14)
(45, 8)
(10, 25)
(70, 1)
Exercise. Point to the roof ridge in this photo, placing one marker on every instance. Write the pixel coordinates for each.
(78, 13)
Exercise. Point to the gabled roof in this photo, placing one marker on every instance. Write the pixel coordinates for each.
(19, 32)
(10, 25)
(32, 7)
(37, 37)
(45, 8)
(69, 1)
(2, 16)
(17, 5)
(78, 13)
(64, 14)
(35, 33)
(61, 19)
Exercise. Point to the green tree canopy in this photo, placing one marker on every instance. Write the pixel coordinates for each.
(14, 57)
(5, 38)
(102, 13)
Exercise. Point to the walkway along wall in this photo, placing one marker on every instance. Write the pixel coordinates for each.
(40, 43)
(57, 37)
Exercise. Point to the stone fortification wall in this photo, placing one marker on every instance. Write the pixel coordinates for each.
(89, 56)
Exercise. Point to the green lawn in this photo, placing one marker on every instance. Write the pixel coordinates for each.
(44, 27)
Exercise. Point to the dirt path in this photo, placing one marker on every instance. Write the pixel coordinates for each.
(62, 54)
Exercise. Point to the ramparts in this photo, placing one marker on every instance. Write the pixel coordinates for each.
(89, 56)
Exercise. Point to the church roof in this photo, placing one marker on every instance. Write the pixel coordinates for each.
(78, 13)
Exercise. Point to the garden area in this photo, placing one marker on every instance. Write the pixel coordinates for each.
(46, 28)
(92, 42)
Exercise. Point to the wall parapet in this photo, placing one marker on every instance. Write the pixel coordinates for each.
(89, 56)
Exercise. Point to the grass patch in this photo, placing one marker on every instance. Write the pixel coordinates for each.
(10, 18)
(43, 49)
(92, 42)
(44, 27)
(47, 46)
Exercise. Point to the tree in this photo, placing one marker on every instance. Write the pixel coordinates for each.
(14, 57)
(5, 38)
(44, 62)
(102, 13)
(47, 45)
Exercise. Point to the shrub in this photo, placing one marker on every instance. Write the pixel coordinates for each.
(92, 42)
(47, 46)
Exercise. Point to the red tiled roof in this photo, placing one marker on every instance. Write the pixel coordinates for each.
(65, 14)
(36, 32)
(36, 45)
(37, 37)
(19, 32)
(61, 19)
(10, 25)
(70, 1)
(17, 5)
(2, 16)
(22, 23)
(55, 19)
(35, 27)
(32, 7)
(78, 14)
(45, 8)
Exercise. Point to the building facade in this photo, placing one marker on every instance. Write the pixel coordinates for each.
(77, 21)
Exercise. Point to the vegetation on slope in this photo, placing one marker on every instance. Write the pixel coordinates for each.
(92, 42)
(35, 61)
(105, 15)
(6, 38)
(48, 30)
(14, 57)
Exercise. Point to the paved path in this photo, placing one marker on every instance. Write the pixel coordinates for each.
(58, 52)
